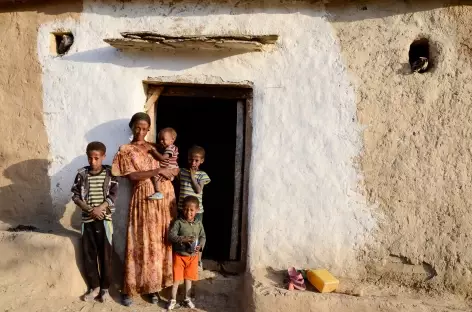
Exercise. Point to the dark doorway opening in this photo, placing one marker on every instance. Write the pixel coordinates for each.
(210, 123)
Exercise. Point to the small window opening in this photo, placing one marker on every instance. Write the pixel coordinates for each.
(61, 42)
(418, 56)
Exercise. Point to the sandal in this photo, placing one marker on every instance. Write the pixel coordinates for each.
(154, 298)
(105, 295)
(126, 300)
(91, 294)
(296, 279)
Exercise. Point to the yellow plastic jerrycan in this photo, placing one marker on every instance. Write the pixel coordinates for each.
(323, 281)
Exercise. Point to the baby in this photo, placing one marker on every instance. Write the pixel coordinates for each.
(167, 157)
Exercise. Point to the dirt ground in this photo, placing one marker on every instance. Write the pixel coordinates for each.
(40, 272)
(351, 296)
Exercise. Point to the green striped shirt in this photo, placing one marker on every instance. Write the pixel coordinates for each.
(186, 186)
(95, 193)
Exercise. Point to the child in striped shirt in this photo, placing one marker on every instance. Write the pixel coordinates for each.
(167, 159)
(95, 191)
(192, 181)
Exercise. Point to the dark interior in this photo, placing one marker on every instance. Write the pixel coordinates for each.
(211, 124)
(419, 48)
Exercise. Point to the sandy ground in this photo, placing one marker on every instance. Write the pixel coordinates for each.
(40, 272)
(351, 296)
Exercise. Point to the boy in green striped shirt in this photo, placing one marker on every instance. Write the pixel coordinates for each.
(192, 181)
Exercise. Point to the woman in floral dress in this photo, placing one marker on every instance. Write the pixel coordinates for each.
(148, 255)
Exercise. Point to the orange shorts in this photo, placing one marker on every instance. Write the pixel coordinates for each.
(185, 267)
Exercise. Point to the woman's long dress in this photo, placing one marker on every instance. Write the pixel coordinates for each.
(148, 255)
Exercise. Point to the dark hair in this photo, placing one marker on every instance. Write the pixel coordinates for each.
(96, 146)
(197, 150)
(138, 117)
(191, 200)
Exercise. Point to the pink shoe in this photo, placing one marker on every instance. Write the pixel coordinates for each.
(296, 279)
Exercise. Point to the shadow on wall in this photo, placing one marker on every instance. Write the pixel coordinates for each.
(167, 60)
(31, 183)
(28, 194)
(113, 134)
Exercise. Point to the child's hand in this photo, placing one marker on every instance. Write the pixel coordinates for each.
(197, 249)
(98, 213)
(193, 172)
(188, 239)
(150, 148)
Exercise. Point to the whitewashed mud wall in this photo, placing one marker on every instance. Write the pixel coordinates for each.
(304, 209)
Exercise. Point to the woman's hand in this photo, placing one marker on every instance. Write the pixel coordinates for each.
(167, 173)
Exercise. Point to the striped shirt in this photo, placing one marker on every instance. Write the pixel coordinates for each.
(85, 184)
(95, 191)
(186, 186)
(173, 153)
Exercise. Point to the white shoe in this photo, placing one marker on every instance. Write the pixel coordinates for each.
(171, 305)
(188, 302)
(156, 196)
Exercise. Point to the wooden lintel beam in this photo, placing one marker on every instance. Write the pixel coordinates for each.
(221, 93)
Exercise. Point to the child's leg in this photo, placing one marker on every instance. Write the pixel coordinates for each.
(199, 217)
(178, 270)
(188, 288)
(157, 194)
(190, 274)
(173, 300)
(155, 180)
(89, 243)
(175, 289)
(105, 253)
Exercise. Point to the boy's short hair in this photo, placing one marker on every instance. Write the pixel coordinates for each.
(191, 200)
(197, 150)
(172, 132)
(96, 146)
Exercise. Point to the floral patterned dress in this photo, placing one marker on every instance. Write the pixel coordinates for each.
(148, 255)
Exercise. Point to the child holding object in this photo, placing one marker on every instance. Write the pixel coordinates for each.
(94, 191)
(187, 237)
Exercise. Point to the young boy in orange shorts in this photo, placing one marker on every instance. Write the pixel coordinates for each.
(187, 236)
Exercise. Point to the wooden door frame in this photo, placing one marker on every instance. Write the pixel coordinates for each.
(239, 92)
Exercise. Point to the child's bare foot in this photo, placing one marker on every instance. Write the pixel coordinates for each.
(105, 295)
(92, 294)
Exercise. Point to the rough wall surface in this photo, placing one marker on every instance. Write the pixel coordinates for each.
(305, 134)
(417, 156)
(24, 182)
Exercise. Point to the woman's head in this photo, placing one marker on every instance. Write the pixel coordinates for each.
(139, 125)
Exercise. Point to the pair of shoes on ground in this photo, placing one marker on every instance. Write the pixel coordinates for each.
(127, 301)
(187, 303)
(92, 294)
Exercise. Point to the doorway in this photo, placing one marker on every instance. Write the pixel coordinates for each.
(214, 119)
